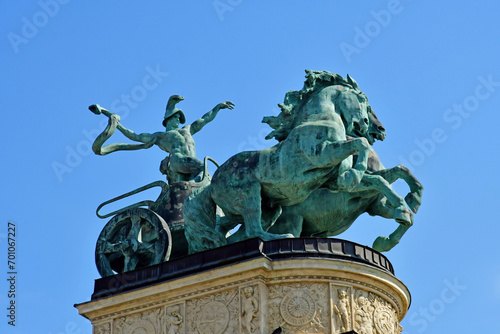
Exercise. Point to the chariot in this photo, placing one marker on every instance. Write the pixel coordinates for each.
(147, 232)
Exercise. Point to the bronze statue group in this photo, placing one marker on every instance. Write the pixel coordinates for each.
(321, 175)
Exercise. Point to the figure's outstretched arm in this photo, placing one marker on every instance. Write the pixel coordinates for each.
(209, 116)
(142, 137)
(113, 124)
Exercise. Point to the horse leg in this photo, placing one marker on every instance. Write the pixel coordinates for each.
(414, 197)
(400, 213)
(289, 221)
(383, 244)
(200, 221)
(270, 214)
(251, 210)
(231, 221)
(333, 153)
(352, 177)
(225, 224)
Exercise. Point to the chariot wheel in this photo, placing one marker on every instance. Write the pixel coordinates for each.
(133, 239)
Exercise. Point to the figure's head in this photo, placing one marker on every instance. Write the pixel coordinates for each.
(172, 112)
(174, 121)
(175, 310)
(362, 300)
(341, 293)
(248, 291)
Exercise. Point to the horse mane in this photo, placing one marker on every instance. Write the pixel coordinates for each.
(315, 80)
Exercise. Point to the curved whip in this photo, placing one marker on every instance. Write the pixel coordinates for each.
(205, 171)
(148, 203)
(113, 123)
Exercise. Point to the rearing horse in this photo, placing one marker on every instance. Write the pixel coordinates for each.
(329, 212)
(252, 186)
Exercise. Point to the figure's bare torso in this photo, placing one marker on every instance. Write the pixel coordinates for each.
(177, 142)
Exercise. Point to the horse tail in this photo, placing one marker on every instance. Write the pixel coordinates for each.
(200, 221)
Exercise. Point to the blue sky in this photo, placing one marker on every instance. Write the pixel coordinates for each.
(430, 69)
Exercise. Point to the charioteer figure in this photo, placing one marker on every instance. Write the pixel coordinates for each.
(181, 164)
(137, 237)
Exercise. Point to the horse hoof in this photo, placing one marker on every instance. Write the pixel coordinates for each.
(413, 201)
(381, 244)
(403, 217)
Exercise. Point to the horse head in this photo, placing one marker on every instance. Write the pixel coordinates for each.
(376, 130)
(353, 107)
(323, 88)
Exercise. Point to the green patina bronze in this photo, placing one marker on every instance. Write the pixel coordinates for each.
(124, 245)
(329, 211)
(320, 177)
(319, 129)
(181, 164)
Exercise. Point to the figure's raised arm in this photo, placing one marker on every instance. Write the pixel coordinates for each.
(142, 137)
(147, 139)
(209, 116)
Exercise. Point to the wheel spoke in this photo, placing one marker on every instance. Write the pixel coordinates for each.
(136, 226)
(131, 240)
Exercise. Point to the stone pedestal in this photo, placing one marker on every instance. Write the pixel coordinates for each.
(299, 285)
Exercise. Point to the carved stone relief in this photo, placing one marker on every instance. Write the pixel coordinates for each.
(215, 314)
(250, 309)
(342, 308)
(258, 308)
(374, 315)
(102, 329)
(174, 320)
(142, 323)
(299, 307)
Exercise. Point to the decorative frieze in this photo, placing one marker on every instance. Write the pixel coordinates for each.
(299, 307)
(214, 314)
(299, 296)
